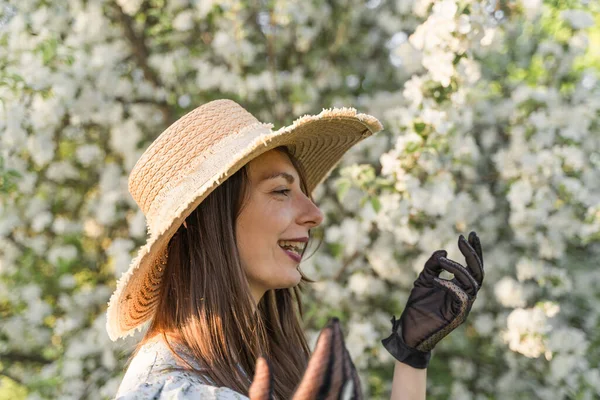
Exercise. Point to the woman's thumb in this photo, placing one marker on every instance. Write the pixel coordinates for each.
(262, 385)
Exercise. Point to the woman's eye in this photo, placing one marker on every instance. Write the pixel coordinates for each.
(283, 192)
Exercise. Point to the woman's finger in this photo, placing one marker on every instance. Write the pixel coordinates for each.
(262, 385)
(316, 371)
(332, 388)
(476, 244)
(473, 262)
(352, 389)
(432, 267)
(462, 275)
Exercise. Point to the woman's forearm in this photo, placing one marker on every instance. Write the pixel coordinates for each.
(409, 383)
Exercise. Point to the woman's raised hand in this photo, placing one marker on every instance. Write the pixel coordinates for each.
(436, 306)
(330, 373)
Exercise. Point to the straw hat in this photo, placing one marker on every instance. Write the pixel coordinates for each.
(195, 155)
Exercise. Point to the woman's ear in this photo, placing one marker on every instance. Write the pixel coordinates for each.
(184, 224)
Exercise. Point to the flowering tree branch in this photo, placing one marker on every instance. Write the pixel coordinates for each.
(141, 54)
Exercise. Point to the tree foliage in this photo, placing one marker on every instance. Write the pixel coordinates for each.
(492, 117)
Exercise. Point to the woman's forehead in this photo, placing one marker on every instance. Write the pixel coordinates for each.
(270, 165)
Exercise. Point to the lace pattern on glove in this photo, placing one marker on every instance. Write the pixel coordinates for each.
(465, 305)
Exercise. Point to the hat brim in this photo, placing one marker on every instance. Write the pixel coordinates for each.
(317, 141)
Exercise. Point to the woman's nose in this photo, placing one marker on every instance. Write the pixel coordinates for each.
(313, 214)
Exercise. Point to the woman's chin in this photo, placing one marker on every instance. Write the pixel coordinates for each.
(290, 280)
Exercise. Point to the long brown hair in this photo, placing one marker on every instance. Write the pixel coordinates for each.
(205, 303)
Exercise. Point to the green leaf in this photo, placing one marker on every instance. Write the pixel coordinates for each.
(342, 186)
(419, 127)
(375, 203)
(412, 147)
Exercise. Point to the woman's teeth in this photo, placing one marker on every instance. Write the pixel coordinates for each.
(291, 248)
(296, 247)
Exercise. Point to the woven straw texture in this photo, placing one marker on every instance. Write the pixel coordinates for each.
(191, 158)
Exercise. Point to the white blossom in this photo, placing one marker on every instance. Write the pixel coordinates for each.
(526, 331)
(88, 154)
(365, 286)
(361, 335)
(510, 293)
(578, 19)
(119, 250)
(184, 21)
(130, 6)
(484, 324)
(348, 233)
(568, 340)
(66, 252)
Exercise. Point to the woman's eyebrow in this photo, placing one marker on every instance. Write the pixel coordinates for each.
(289, 178)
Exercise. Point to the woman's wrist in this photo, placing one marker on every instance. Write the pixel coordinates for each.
(403, 353)
(409, 383)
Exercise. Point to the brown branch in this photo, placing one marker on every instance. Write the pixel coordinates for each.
(272, 62)
(141, 54)
(142, 101)
(140, 50)
(11, 238)
(20, 357)
(348, 261)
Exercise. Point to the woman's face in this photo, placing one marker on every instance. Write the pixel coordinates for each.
(269, 217)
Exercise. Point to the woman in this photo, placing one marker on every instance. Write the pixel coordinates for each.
(230, 211)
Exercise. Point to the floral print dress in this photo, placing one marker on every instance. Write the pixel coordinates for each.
(145, 378)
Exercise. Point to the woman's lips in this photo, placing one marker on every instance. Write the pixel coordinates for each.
(292, 255)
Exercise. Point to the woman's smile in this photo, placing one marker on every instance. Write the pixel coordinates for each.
(294, 256)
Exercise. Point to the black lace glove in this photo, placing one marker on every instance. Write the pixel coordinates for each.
(330, 373)
(436, 306)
